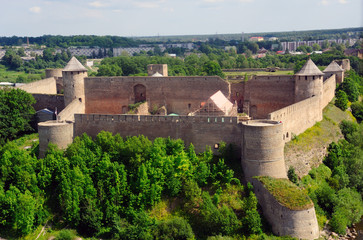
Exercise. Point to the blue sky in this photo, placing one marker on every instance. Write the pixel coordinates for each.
(173, 17)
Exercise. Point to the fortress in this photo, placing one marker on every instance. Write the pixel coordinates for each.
(204, 112)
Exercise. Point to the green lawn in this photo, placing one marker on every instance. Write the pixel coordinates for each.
(14, 76)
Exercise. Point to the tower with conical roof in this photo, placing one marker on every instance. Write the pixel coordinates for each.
(308, 82)
(334, 69)
(73, 81)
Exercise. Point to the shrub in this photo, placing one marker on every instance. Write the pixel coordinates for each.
(357, 110)
(65, 235)
(348, 128)
(175, 228)
(341, 100)
(292, 175)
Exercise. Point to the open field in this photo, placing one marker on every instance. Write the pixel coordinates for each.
(17, 77)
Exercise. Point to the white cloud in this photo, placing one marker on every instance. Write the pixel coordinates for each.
(97, 4)
(324, 2)
(343, 1)
(35, 9)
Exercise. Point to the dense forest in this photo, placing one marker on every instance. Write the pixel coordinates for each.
(285, 36)
(211, 60)
(129, 188)
(68, 41)
(133, 188)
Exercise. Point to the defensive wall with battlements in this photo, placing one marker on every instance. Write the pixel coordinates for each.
(298, 117)
(289, 104)
(202, 131)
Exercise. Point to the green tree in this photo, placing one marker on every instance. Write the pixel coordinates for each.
(212, 68)
(16, 112)
(341, 100)
(351, 88)
(316, 47)
(357, 110)
(174, 228)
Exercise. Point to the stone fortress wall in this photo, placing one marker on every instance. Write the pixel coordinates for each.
(298, 117)
(301, 224)
(266, 94)
(304, 114)
(76, 106)
(57, 74)
(45, 86)
(281, 99)
(110, 95)
(202, 131)
(50, 101)
(329, 87)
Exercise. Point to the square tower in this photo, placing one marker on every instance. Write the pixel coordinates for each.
(157, 70)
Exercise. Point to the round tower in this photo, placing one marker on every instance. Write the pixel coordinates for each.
(73, 81)
(56, 132)
(53, 72)
(263, 149)
(308, 82)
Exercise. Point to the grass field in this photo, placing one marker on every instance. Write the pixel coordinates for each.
(17, 77)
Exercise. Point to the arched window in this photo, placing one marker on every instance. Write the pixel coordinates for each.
(139, 93)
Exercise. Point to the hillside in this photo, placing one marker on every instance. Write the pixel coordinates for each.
(308, 149)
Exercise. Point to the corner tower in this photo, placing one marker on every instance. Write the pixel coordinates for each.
(73, 81)
(308, 82)
(334, 69)
(263, 149)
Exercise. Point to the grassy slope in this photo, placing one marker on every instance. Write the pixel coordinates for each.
(287, 193)
(309, 148)
(12, 76)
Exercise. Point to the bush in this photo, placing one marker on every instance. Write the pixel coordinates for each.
(65, 235)
(357, 110)
(341, 100)
(348, 128)
(175, 228)
(292, 175)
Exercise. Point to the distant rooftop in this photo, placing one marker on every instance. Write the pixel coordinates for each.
(309, 69)
(74, 65)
